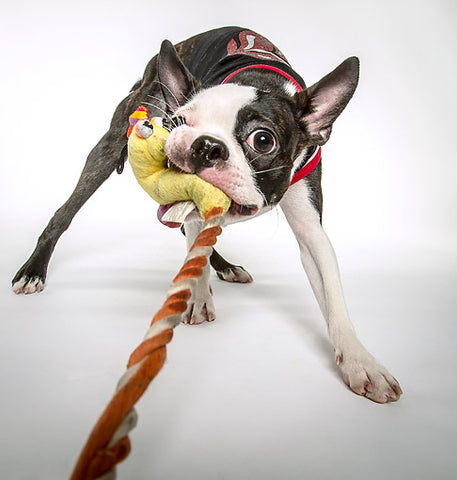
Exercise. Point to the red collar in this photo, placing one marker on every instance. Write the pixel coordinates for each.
(309, 166)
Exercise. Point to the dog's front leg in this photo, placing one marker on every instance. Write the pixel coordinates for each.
(201, 306)
(361, 371)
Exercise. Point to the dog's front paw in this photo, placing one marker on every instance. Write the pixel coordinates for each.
(201, 309)
(364, 375)
(27, 285)
(31, 277)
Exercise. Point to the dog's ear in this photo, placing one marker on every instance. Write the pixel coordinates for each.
(176, 81)
(320, 105)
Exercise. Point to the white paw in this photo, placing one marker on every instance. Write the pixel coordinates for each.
(365, 376)
(201, 309)
(28, 285)
(235, 275)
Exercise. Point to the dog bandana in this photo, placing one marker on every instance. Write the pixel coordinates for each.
(215, 58)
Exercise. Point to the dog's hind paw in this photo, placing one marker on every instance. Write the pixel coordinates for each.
(28, 285)
(365, 376)
(235, 274)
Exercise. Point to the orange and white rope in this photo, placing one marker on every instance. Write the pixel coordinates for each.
(108, 443)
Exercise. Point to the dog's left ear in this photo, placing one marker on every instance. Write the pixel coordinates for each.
(320, 105)
(176, 81)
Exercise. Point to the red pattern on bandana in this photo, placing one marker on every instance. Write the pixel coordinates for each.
(256, 46)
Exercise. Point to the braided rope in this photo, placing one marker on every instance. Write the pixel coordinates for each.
(108, 443)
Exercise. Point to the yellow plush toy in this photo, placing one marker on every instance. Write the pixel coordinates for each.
(166, 185)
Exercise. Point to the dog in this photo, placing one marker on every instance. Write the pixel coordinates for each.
(242, 119)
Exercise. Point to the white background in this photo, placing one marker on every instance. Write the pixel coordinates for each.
(254, 395)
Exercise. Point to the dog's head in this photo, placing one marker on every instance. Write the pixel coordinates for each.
(247, 140)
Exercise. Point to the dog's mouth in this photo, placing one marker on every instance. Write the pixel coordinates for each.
(244, 210)
(173, 217)
(235, 208)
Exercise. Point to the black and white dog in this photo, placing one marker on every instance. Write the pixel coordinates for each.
(244, 121)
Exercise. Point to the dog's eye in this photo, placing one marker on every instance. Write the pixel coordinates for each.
(145, 128)
(262, 141)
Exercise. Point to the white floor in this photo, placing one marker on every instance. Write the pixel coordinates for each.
(254, 395)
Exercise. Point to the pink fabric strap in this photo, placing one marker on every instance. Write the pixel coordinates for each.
(266, 67)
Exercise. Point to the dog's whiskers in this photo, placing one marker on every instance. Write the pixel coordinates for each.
(250, 162)
(165, 113)
(175, 121)
(171, 92)
(168, 89)
(161, 101)
(271, 169)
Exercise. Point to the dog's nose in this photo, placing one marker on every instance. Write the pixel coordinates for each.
(206, 151)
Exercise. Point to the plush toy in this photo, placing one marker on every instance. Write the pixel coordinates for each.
(167, 184)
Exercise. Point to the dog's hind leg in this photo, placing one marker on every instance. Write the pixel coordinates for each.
(100, 163)
(227, 271)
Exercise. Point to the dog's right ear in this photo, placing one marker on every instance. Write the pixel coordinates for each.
(176, 81)
(319, 105)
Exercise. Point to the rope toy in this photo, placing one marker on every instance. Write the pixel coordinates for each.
(165, 183)
(108, 443)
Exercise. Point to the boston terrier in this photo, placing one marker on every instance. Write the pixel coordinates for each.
(242, 119)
